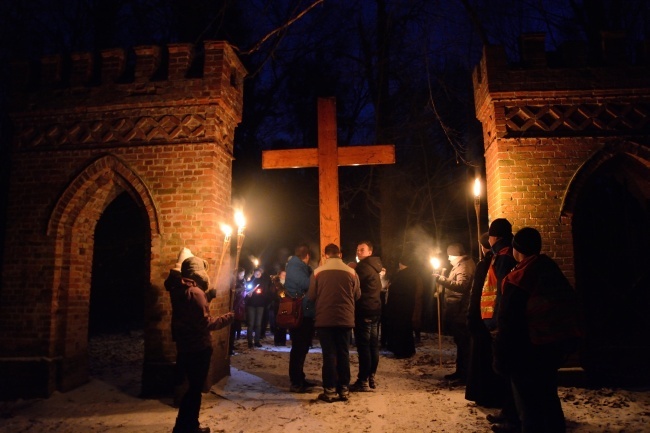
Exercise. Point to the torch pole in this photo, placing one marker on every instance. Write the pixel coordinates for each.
(477, 207)
(438, 295)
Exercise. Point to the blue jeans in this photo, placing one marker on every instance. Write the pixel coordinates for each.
(254, 316)
(366, 337)
(335, 343)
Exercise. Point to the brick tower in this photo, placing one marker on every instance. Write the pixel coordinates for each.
(556, 128)
(157, 124)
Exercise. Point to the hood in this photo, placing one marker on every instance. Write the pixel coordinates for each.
(374, 262)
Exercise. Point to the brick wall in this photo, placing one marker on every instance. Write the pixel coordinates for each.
(546, 120)
(87, 129)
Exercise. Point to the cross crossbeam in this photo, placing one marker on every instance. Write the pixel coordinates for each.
(328, 157)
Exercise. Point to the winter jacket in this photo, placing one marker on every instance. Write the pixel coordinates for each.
(191, 320)
(474, 322)
(370, 302)
(539, 309)
(457, 286)
(258, 292)
(502, 263)
(334, 288)
(296, 283)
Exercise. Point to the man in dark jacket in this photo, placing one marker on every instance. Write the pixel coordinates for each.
(481, 378)
(367, 314)
(191, 326)
(500, 238)
(538, 326)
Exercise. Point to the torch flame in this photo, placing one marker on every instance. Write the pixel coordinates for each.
(435, 262)
(477, 187)
(226, 230)
(240, 220)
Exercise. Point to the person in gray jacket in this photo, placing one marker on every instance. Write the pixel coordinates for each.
(456, 298)
(334, 287)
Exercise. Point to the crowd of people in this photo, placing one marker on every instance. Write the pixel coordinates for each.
(513, 317)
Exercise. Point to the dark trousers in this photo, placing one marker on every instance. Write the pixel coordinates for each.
(194, 365)
(301, 338)
(462, 340)
(254, 317)
(335, 344)
(534, 389)
(366, 337)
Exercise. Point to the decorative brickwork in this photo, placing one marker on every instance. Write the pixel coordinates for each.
(544, 126)
(83, 136)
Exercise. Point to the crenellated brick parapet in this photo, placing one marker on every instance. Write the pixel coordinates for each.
(164, 94)
(550, 94)
(154, 124)
(544, 117)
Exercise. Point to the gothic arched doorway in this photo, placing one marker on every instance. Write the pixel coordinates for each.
(119, 282)
(612, 252)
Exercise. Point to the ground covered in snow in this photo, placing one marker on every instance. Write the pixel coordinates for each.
(411, 397)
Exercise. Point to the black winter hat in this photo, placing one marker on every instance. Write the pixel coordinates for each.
(527, 241)
(500, 227)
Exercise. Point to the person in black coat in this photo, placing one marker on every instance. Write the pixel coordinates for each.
(367, 313)
(481, 378)
(404, 308)
(537, 328)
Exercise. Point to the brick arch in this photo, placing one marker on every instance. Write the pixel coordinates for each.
(72, 224)
(631, 149)
(105, 167)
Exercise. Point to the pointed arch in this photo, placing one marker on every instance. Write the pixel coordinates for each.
(636, 151)
(105, 169)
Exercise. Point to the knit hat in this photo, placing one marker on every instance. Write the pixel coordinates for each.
(455, 249)
(485, 240)
(196, 269)
(527, 241)
(500, 228)
(182, 255)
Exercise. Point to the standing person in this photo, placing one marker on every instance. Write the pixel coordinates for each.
(191, 326)
(367, 313)
(297, 284)
(537, 328)
(404, 308)
(257, 299)
(334, 287)
(238, 307)
(456, 296)
(500, 239)
(481, 378)
(277, 288)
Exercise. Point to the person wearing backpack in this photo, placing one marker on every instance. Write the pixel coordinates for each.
(538, 327)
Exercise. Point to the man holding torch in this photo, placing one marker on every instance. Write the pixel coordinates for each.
(456, 297)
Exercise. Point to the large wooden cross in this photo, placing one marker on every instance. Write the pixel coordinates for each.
(328, 157)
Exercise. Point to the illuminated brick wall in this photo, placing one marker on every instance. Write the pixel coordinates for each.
(549, 121)
(158, 125)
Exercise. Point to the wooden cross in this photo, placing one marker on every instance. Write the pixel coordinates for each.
(328, 157)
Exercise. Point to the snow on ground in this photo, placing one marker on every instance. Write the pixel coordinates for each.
(411, 397)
